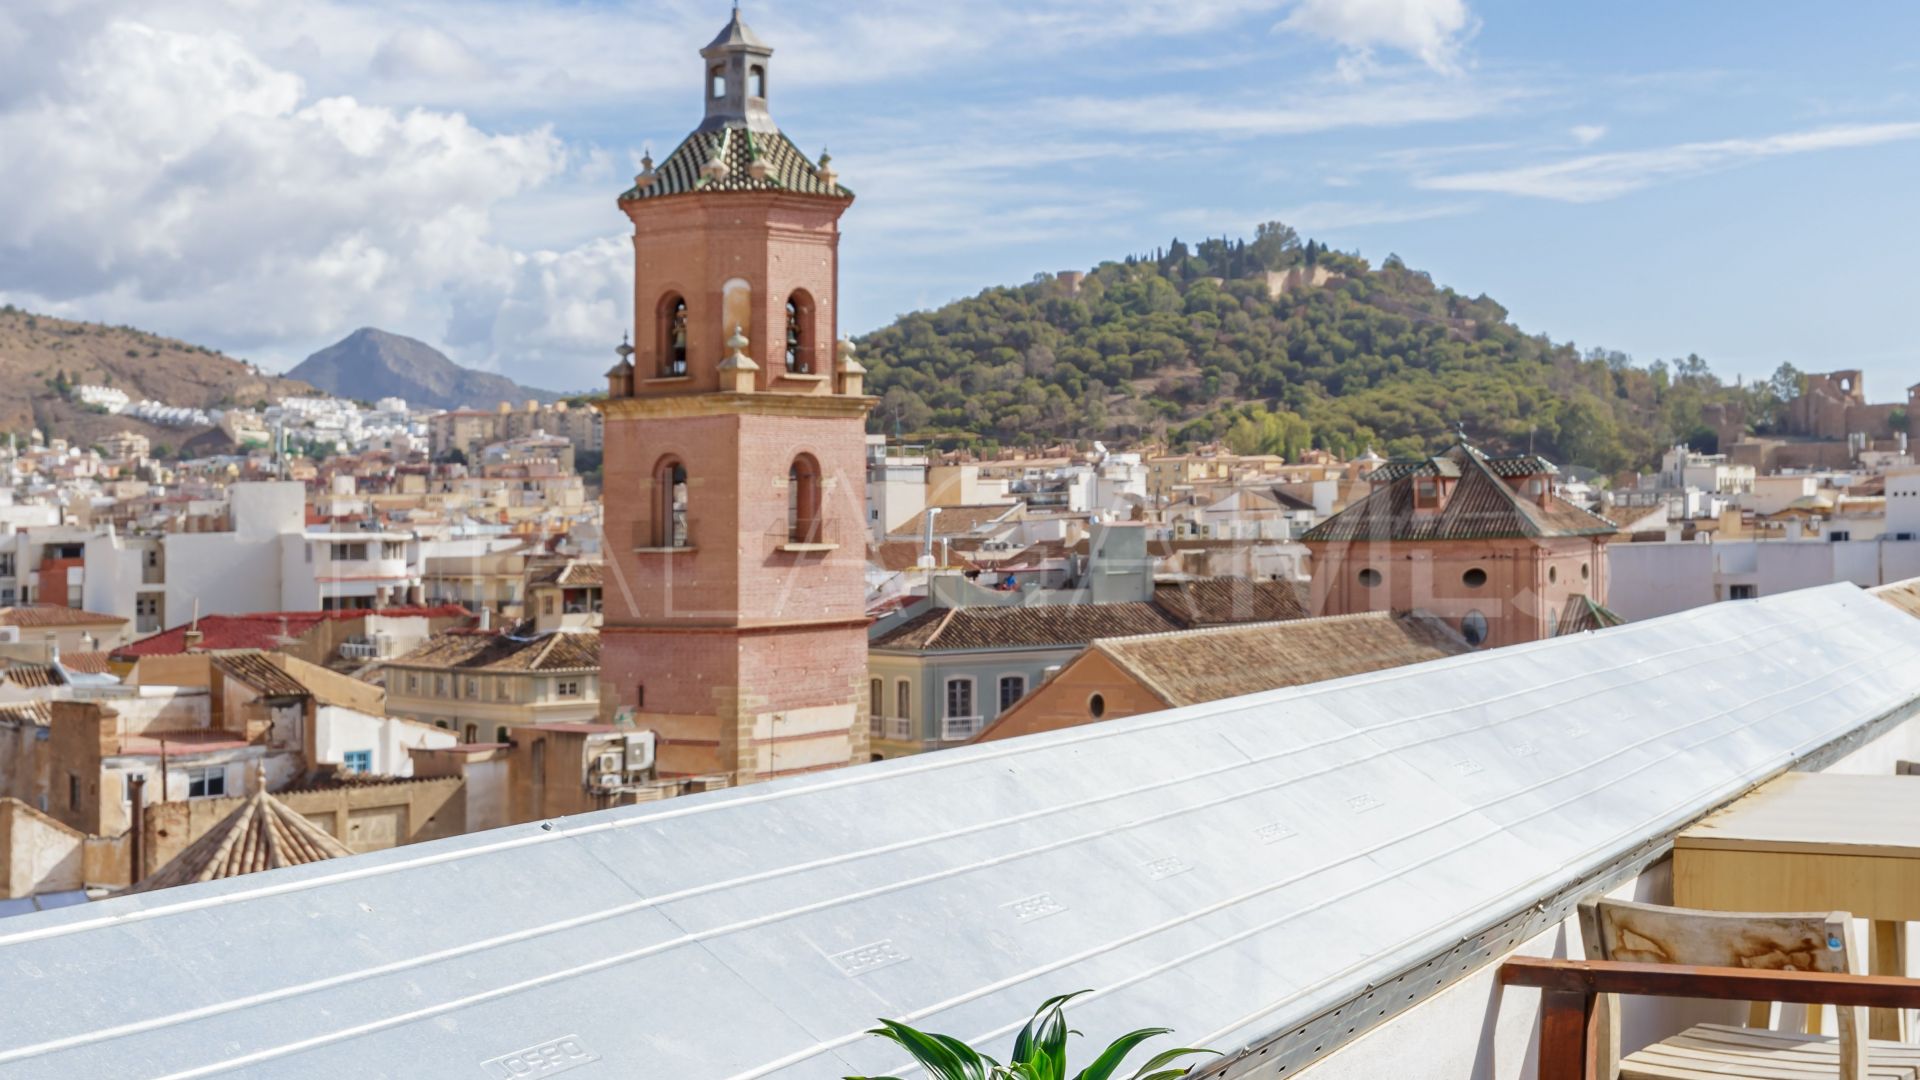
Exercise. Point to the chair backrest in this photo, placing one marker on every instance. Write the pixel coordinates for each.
(1652, 934)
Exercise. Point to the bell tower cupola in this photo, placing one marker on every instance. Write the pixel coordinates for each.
(736, 79)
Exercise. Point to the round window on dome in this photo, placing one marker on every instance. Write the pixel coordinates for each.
(1474, 628)
(1370, 577)
(1474, 578)
(1096, 706)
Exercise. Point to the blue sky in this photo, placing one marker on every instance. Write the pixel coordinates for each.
(1728, 179)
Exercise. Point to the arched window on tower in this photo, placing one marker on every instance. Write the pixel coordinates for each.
(803, 501)
(670, 504)
(757, 81)
(717, 75)
(672, 346)
(800, 333)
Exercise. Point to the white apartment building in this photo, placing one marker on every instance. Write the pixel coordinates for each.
(267, 560)
(1650, 579)
(1903, 504)
(1682, 468)
(896, 485)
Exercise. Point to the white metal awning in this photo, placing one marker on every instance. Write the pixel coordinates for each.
(1229, 870)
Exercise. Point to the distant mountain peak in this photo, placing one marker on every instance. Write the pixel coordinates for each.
(374, 363)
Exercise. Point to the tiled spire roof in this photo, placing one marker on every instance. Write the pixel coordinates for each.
(1482, 504)
(262, 833)
(783, 167)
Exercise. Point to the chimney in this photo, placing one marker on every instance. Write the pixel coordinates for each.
(486, 617)
(136, 794)
(53, 647)
(194, 637)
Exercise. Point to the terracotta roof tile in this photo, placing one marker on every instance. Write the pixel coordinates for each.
(1482, 505)
(27, 714)
(1026, 626)
(86, 663)
(1192, 666)
(583, 574)
(1583, 614)
(1223, 600)
(261, 833)
(464, 650)
(566, 572)
(956, 520)
(267, 630)
(252, 667)
(49, 615)
(895, 555)
(32, 676)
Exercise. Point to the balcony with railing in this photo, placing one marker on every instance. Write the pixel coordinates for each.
(960, 728)
(361, 649)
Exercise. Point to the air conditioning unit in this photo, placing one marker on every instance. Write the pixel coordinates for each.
(609, 780)
(639, 752)
(610, 763)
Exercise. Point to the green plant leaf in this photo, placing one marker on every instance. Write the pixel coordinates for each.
(1053, 1042)
(1029, 1036)
(974, 1064)
(936, 1057)
(1110, 1058)
(1148, 1071)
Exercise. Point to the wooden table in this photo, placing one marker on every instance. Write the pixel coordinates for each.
(1815, 842)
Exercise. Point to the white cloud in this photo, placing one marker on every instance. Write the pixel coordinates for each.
(1595, 177)
(176, 180)
(1308, 217)
(1353, 215)
(425, 52)
(1431, 30)
(1588, 134)
(1296, 112)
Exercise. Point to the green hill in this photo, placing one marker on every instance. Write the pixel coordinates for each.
(1193, 344)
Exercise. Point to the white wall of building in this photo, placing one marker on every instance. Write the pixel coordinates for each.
(1645, 580)
(1903, 502)
(265, 509)
(114, 570)
(221, 573)
(339, 729)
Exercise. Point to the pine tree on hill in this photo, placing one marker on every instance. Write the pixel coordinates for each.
(1190, 343)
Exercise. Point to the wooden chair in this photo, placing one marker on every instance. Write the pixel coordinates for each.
(1620, 931)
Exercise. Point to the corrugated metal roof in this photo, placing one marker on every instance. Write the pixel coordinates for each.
(1227, 870)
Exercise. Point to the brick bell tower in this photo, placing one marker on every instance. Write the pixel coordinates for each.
(735, 499)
